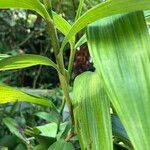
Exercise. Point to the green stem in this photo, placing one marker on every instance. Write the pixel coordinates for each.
(71, 60)
(59, 58)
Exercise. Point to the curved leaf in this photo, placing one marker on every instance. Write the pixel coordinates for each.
(9, 94)
(63, 26)
(25, 4)
(105, 9)
(91, 113)
(24, 61)
(15, 128)
(119, 47)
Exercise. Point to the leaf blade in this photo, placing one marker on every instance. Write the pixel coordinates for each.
(25, 4)
(91, 103)
(24, 61)
(105, 9)
(121, 56)
(9, 94)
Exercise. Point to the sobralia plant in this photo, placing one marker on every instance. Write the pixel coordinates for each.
(119, 47)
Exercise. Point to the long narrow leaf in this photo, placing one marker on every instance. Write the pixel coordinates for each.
(25, 4)
(15, 128)
(105, 9)
(23, 61)
(119, 47)
(9, 94)
(61, 24)
(91, 112)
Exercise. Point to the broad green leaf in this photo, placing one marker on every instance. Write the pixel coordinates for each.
(9, 94)
(119, 46)
(48, 116)
(91, 112)
(25, 4)
(62, 145)
(105, 9)
(48, 130)
(14, 128)
(24, 61)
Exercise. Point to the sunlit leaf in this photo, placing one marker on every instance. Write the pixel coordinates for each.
(24, 61)
(48, 130)
(91, 113)
(105, 9)
(25, 4)
(119, 46)
(63, 26)
(9, 94)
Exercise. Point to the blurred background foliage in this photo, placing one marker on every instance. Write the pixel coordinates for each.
(24, 31)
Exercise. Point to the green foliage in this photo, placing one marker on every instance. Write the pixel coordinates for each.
(23, 61)
(25, 4)
(9, 94)
(91, 104)
(61, 145)
(119, 47)
(108, 8)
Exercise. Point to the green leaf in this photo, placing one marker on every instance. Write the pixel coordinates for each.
(14, 128)
(51, 117)
(62, 145)
(105, 9)
(63, 26)
(61, 23)
(25, 4)
(24, 61)
(119, 47)
(48, 130)
(9, 94)
(79, 10)
(91, 113)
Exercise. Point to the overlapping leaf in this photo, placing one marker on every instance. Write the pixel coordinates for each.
(119, 46)
(108, 8)
(91, 113)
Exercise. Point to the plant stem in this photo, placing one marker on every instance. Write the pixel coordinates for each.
(71, 60)
(59, 58)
